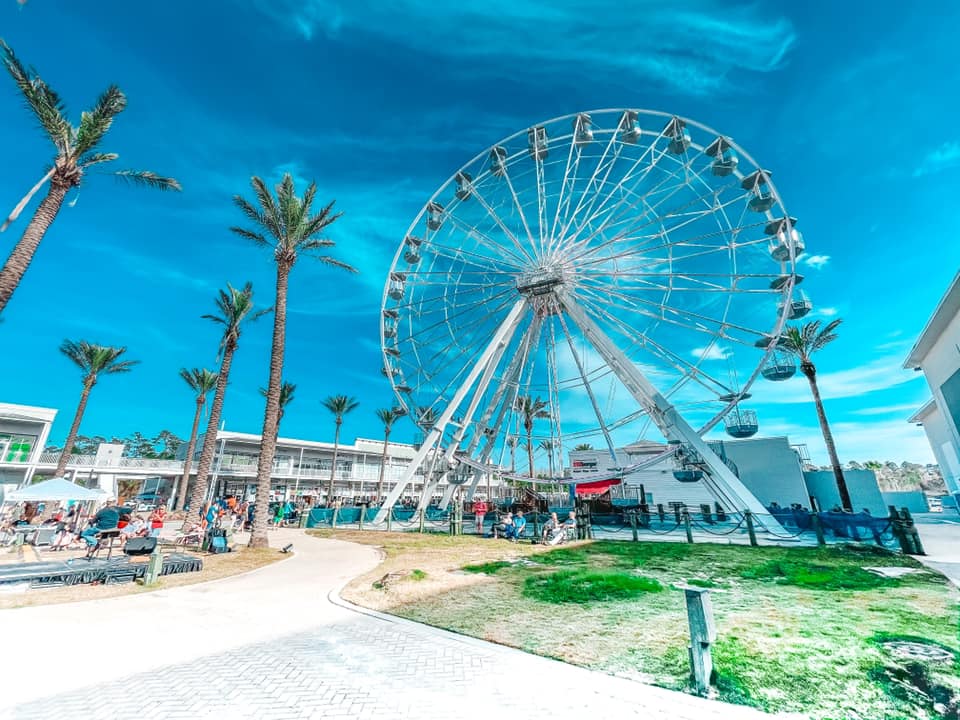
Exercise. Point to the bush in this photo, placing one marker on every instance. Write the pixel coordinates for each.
(580, 586)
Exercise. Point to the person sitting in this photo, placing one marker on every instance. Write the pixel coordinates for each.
(135, 528)
(570, 526)
(516, 530)
(553, 531)
(504, 527)
(106, 519)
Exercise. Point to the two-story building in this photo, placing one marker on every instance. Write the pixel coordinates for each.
(24, 431)
(937, 354)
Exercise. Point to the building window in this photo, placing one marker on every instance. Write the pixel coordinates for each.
(16, 448)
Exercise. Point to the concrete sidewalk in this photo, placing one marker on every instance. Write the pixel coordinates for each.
(271, 644)
(941, 541)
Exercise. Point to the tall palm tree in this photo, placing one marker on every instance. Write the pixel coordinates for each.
(388, 417)
(802, 342)
(339, 405)
(93, 360)
(531, 409)
(288, 225)
(234, 308)
(547, 446)
(512, 444)
(75, 152)
(287, 389)
(201, 381)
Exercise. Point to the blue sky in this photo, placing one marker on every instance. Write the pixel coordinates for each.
(851, 111)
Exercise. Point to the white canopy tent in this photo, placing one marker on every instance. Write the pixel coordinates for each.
(55, 490)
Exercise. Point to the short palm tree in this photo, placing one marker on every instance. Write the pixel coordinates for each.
(287, 389)
(802, 342)
(288, 225)
(201, 381)
(583, 446)
(512, 444)
(531, 409)
(548, 447)
(234, 308)
(388, 417)
(93, 360)
(75, 152)
(339, 405)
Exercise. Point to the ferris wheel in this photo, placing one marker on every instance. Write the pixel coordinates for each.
(622, 270)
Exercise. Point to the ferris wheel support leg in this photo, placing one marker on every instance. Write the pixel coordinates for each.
(501, 338)
(670, 422)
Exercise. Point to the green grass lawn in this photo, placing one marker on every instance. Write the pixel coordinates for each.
(800, 630)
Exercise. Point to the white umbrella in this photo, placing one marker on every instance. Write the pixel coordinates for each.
(55, 490)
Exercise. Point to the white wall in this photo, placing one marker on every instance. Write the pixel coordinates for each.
(944, 450)
(770, 469)
(861, 484)
(941, 362)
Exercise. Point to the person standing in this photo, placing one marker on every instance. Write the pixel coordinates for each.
(157, 517)
(479, 511)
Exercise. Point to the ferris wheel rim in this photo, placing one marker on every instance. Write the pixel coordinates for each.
(781, 316)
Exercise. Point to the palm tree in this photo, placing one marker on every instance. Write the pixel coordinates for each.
(547, 446)
(339, 405)
(93, 360)
(234, 307)
(288, 226)
(287, 389)
(512, 444)
(531, 409)
(201, 381)
(802, 342)
(388, 417)
(583, 446)
(75, 152)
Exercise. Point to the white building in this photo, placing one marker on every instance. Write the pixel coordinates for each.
(937, 354)
(24, 431)
(769, 467)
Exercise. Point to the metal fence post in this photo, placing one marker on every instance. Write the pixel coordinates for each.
(750, 530)
(363, 511)
(686, 525)
(633, 525)
(333, 517)
(390, 520)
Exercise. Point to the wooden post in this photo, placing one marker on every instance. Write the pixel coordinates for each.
(818, 528)
(686, 525)
(633, 526)
(750, 530)
(703, 632)
(333, 517)
(154, 565)
(910, 531)
(390, 520)
(423, 516)
(363, 511)
(661, 513)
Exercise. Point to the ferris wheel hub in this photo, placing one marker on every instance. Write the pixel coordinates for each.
(543, 280)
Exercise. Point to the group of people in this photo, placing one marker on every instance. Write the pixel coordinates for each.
(122, 519)
(512, 526)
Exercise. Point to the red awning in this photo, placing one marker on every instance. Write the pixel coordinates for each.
(597, 487)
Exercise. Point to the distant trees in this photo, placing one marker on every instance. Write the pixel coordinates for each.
(162, 446)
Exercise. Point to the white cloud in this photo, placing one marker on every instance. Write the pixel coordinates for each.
(691, 50)
(827, 311)
(888, 409)
(816, 261)
(942, 158)
(713, 352)
(878, 374)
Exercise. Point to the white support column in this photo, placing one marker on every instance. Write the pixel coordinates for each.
(670, 422)
(501, 338)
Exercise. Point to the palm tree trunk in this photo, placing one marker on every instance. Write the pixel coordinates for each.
(383, 463)
(811, 372)
(210, 436)
(333, 469)
(188, 461)
(74, 429)
(19, 260)
(271, 414)
(533, 483)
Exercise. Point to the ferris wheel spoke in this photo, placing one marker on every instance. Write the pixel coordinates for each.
(502, 225)
(655, 159)
(586, 384)
(424, 338)
(541, 206)
(514, 261)
(556, 420)
(516, 203)
(567, 184)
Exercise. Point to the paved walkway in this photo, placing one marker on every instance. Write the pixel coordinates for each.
(277, 644)
(940, 534)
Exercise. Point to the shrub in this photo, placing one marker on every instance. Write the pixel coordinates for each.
(487, 568)
(580, 586)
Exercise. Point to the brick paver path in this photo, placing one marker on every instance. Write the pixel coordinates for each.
(296, 654)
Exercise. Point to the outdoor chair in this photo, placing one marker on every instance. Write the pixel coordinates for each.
(107, 536)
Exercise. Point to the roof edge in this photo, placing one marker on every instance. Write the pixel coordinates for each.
(948, 306)
(925, 409)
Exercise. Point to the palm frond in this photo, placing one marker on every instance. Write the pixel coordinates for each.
(388, 417)
(268, 207)
(333, 262)
(96, 123)
(46, 105)
(95, 359)
(257, 238)
(148, 179)
(89, 159)
(340, 405)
